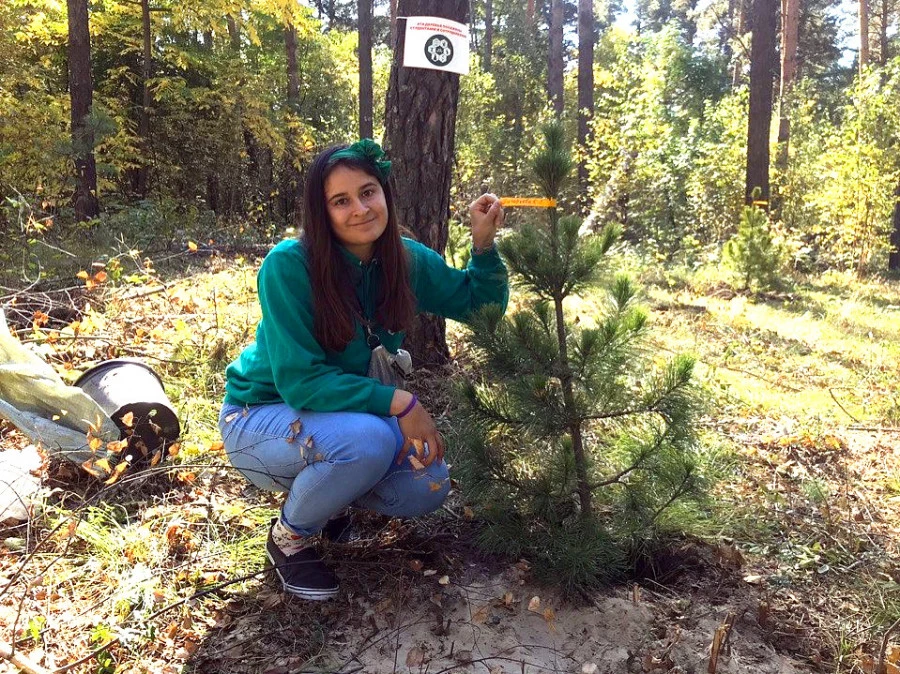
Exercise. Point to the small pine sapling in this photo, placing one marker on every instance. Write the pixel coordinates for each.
(752, 253)
(577, 451)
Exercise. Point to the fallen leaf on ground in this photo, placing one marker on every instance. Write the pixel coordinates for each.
(444, 580)
(535, 604)
(415, 565)
(481, 615)
(415, 657)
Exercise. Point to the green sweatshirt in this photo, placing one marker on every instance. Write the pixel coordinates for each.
(287, 364)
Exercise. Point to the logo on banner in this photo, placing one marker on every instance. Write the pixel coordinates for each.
(439, 50)
(436, 44)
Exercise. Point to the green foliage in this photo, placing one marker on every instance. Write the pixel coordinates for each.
(577, 445)
(752, 253)
(661, 121)
(838, 192)
(221, 136)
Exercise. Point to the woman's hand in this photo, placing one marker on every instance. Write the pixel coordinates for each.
(487, 216)
(419, 431)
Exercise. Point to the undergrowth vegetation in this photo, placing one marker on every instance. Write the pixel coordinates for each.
(800, 433)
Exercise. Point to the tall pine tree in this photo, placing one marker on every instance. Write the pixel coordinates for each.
(575, 449)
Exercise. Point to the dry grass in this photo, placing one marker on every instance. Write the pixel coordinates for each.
(165, 568)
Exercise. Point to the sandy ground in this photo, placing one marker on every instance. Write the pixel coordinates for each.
(503, 624)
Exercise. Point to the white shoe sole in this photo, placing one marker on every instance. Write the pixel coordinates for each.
(312, 594)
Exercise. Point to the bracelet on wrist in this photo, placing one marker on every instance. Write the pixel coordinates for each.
(409, 407)
(481, 250)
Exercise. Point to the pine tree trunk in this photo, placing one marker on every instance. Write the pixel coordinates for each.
(529, 13)
(141, 177)
(393, 23)
(364, 13)
(581, 473)
(585, 80)
(555, 57)
(420, 132)
(488, 35)
(234, 33)
(894, 255)
(290, 189)
(81, 92)
(863, 35)
(790, 21)
(762, 76)
(883, 44)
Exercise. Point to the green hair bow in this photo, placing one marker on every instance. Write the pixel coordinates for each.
(366, 150)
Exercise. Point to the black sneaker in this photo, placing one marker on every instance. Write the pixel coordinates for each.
(341, 530)
(302, 574)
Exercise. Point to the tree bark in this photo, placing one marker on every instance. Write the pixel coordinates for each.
(790, 22)
(863, 35)
(141, 177)
(488, 35)
(290, 184)
(555, 57)
(762, 76)
(883, 44)
(529, 13)
(894, 255)
(393, 23)
(365, 19)
(234, 33)
(585, 80)
(420, 123)
(81, 93)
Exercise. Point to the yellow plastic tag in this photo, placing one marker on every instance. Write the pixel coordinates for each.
(527, 202)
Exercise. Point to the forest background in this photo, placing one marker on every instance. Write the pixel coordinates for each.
(205, 113)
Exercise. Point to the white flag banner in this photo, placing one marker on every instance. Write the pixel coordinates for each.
(436, 44)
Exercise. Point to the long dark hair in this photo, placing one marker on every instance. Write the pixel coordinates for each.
(334, 301)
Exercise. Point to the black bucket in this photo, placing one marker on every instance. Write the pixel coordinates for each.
(127, 385)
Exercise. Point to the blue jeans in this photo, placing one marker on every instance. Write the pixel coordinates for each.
(326, 461)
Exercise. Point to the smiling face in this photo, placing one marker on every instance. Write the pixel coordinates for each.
(357, 209)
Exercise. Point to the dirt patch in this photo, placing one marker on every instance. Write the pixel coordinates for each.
(473, 617)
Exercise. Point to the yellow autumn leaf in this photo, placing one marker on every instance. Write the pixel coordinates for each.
(116, 446)
(117, 473)
(83, 275)
(192, 246)
(128, 419)
(89, 467)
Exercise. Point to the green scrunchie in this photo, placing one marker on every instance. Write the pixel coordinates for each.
(366, 150)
